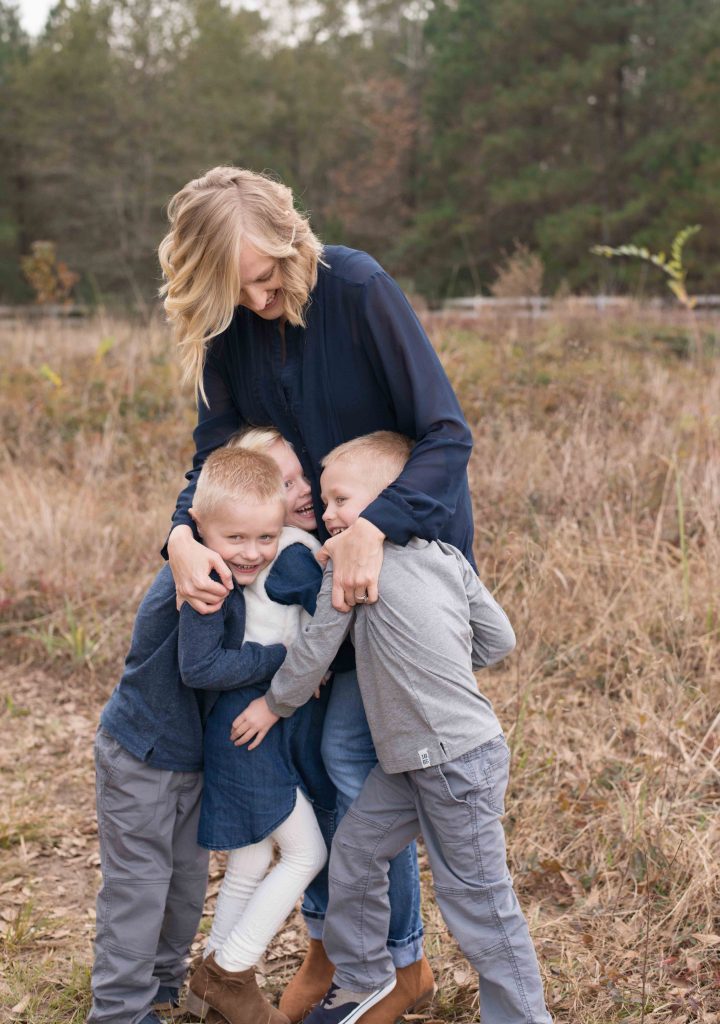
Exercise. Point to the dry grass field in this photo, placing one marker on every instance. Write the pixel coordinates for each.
(596, 479)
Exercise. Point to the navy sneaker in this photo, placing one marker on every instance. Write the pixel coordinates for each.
(151, 1018)
(343, 1006)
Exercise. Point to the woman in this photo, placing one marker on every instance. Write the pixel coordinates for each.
(319, 342)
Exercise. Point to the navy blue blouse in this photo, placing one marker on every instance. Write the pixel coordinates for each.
(362, 363)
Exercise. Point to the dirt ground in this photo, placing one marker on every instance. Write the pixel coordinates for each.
(50, 867)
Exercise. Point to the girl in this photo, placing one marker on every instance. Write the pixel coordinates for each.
(254, 801)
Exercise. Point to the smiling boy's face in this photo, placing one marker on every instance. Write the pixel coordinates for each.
(344, 493)
(300, 509)
(245, 535)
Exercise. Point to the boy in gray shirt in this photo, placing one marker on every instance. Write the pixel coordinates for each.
(443, 761)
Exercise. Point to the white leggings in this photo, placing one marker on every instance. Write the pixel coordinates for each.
(252, 905)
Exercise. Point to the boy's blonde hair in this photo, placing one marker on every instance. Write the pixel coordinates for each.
(255, 439)
(211, 219)
(234, 474)
(382, 455)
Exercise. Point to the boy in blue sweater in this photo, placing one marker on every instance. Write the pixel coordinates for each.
(149, 759)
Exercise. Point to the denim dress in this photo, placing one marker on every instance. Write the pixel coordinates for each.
(247, 794)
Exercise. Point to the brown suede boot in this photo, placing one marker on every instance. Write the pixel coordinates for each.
(309, 984)
(233, 994)
(415, 990)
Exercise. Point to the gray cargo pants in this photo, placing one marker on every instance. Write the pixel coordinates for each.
(154, 879)
(457, 807)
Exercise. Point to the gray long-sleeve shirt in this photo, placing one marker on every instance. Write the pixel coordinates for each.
(416, 649)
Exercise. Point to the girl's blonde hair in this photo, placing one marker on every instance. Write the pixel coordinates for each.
(255, 439)
(211, 219)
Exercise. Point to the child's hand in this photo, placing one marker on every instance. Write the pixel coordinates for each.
(325, 678)
(256, 720)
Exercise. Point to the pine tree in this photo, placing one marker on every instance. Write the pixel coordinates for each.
(14, 235)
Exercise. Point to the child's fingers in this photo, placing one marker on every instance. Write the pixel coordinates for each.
(325, 679)
(323, 556)
(237, 727)
(246, 735)
(260, 737)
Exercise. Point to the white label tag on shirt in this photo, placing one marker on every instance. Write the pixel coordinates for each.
(424, 757)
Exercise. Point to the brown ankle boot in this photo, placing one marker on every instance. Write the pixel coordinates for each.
(233, 994)
(309, 984)
(414, 990)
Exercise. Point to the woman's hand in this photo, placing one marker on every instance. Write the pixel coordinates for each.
(255, 721)
(191, 564)
(357, 556)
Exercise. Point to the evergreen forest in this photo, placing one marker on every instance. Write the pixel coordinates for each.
(437, 134)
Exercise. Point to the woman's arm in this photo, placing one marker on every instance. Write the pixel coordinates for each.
(423, 499)
(191, 562)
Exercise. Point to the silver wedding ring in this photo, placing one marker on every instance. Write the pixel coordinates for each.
(361, 600)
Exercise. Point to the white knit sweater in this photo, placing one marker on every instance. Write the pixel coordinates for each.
(266, 621)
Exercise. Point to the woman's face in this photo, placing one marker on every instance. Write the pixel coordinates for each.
(260, 283)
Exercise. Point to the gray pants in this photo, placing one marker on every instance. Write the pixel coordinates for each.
(457, 807)
(154, 880)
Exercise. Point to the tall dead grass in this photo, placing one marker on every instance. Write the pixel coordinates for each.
(96, 434)
(596, 479)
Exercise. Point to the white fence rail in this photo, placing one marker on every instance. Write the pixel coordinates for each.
(539, 305)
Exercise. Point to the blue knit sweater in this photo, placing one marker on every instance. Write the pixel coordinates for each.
(152, 713)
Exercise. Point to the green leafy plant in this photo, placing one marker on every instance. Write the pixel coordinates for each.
(673, 268)
(67, 639)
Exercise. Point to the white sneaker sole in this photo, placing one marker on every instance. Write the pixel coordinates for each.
(362, 1008)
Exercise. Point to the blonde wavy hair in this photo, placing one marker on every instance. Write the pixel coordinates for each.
(211, 219)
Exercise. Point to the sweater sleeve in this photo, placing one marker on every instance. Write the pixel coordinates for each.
(205, 664)
(424, 497)
(295, 578)
(217, 421)
(493, 638)
(310, 655)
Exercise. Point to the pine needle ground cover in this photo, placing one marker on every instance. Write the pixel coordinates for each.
(596, 480)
